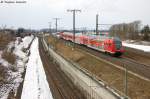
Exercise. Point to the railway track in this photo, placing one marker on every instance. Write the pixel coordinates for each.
(61, 85)
(112, 72)
(137, 55)
(134, 67)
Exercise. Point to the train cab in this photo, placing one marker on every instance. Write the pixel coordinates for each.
(119, 50)
(113, 46)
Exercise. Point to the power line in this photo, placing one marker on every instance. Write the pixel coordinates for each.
(126, 81)
(97, 24)
(74, 13)
(56, 22)
(50, 26)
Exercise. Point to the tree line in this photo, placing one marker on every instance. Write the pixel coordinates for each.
(130, 31)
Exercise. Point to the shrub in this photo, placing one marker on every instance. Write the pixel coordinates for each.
(3, 73)
(5, 39)
(10, 57)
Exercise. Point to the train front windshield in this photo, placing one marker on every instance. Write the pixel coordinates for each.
(118, 44)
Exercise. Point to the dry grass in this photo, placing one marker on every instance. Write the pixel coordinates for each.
(8, 56)
(5, 39)
(3, 73)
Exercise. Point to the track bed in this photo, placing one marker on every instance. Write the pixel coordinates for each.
(61, 86)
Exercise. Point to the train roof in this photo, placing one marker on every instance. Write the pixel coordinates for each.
(93, 36)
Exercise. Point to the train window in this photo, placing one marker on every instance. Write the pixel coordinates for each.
(118, 44)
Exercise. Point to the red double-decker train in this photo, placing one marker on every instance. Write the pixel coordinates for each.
(111, 45)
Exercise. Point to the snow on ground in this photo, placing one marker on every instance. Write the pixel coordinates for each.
(144, 46)
(15, 77)
(24, 44)
(35, 83)
(27, 40)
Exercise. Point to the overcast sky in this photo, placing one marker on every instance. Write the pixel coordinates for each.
(36, 14)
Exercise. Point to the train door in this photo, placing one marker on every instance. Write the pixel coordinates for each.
(107, 46)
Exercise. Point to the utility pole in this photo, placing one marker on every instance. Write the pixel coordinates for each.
(97, 24)
(56, 22)
(50, 27)
(126, 81)
(74, 12)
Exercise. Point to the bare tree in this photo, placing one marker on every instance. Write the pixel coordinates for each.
(146, 33)
(126, 30)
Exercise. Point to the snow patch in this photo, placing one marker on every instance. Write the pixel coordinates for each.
(135, 45)
(4, 63)
(15, 77)
(27, 41)
(35, 83)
